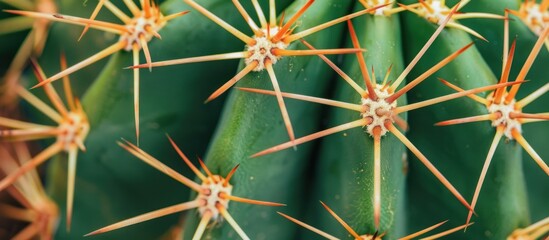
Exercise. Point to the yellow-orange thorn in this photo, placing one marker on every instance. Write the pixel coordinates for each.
(212, 201)
(435, 11)
(70, 133)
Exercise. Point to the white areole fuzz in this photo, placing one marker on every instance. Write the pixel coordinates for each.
(378, 111)
(262, 49)
(503, 112)
(380, 11)
(212, 190)
(438, 14)
(535, 19)
(73, 130)
(141, 26)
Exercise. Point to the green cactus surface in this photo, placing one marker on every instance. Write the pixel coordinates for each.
(224, 119)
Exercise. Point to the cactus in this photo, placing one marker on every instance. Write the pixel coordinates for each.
(328, 100)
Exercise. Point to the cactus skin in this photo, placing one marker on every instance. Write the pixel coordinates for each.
(536, 180)
(344, 175)
(502, 205)
(109, 174)
(110, 186)
(62, 39)
(251, 122)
